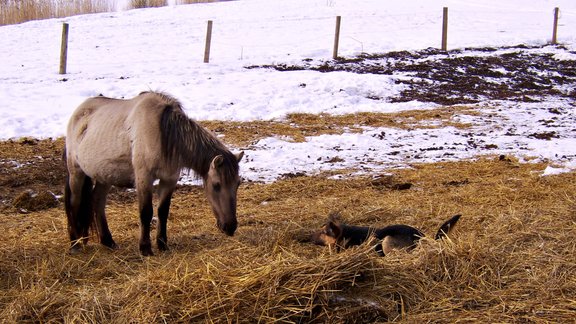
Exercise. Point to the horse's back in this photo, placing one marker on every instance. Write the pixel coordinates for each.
(97, 113)
(103, 132)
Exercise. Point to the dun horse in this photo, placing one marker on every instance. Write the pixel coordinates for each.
(133, 143)
(392, 237)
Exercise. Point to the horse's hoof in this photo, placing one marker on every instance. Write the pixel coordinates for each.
(146, 251)
(111, 246)
(162, 246)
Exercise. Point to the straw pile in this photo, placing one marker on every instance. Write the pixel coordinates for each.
(511, 259)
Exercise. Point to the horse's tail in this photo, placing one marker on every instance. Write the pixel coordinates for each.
(78, 223)
(445, 229)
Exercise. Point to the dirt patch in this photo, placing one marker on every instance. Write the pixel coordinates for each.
(28, 168)
(519, 73)
(28, 201)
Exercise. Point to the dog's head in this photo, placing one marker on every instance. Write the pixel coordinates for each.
(330, 234)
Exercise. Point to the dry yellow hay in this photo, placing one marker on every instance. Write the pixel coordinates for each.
(298, 126)
(511, 258)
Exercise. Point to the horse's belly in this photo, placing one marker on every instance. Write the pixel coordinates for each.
(120, 176)
(104, 154)
(114, 172)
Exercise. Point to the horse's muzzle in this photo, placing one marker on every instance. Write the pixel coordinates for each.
(228, 228)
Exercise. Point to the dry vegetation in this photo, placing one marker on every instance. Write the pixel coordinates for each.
(137, 4)
(511, 259)
(17, 11)
(298, 126)
(196, 1)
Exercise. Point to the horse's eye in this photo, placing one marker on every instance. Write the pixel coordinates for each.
(216, 187)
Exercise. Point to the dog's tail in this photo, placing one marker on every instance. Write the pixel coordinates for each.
(445, 229)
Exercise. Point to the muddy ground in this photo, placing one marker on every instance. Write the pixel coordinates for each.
(464, 76)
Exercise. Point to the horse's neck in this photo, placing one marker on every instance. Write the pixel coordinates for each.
(200, 151)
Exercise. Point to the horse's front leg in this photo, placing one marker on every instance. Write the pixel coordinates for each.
(146, 212)
(166, 189)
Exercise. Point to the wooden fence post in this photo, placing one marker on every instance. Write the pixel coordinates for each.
(445, 29)
(336, 37)
(555, 28)
(208, 42)
(64, 49)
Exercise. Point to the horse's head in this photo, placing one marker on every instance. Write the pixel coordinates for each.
(221, 185)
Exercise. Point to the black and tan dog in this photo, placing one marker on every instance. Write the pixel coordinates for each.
(393, 237)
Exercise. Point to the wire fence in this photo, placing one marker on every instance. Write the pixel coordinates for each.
(267, 34)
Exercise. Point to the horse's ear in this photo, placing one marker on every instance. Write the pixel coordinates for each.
(217, 161)
(239, 156)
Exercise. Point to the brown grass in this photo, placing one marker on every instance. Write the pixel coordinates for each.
(193, 1)
(298, 126)
(137, 4)
(511, 259)
(18, 11)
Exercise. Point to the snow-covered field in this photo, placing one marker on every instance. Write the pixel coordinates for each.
(120, 54)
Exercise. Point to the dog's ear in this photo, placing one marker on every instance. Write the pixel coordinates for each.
(335, 217)
(333, 229)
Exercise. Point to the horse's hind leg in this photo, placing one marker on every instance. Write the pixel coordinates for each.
(78, 205)
(100, 193)
(166, 188)
(146, 212)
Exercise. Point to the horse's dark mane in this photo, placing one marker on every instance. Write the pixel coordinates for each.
(187, 143)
